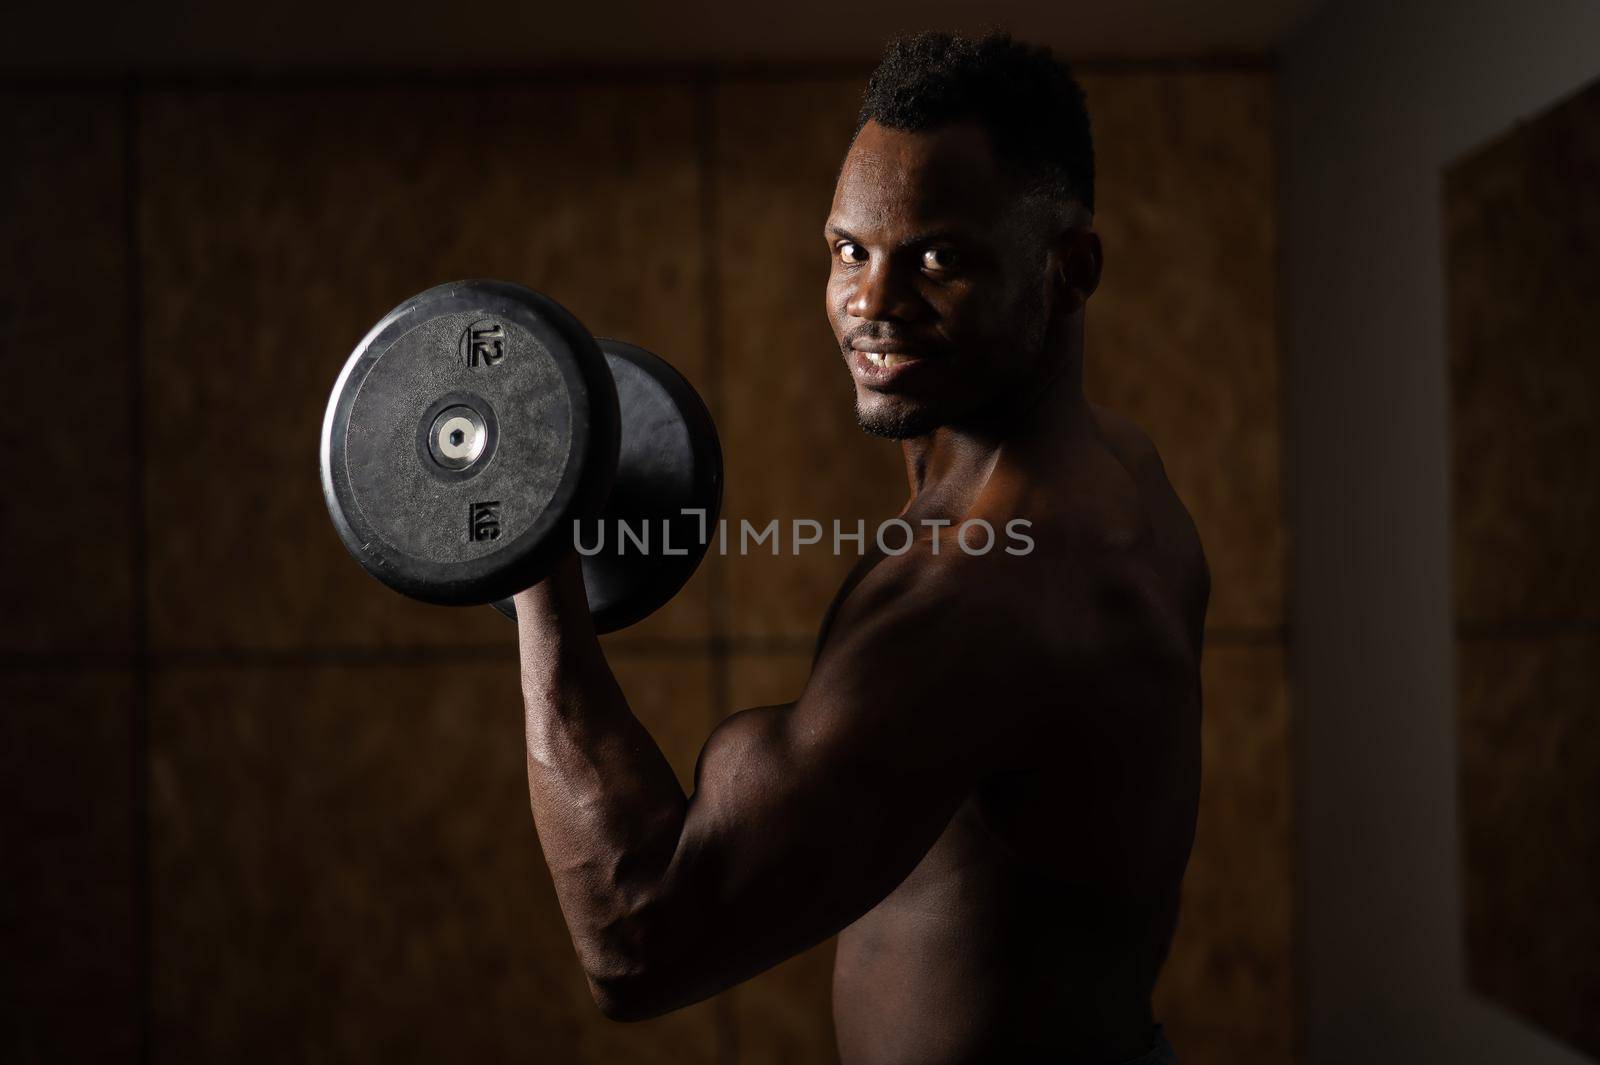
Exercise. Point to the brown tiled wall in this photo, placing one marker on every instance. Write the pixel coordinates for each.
(1522, 251)
(273, 810)
(69, 696)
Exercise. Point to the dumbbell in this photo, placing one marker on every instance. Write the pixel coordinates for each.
(479, 431)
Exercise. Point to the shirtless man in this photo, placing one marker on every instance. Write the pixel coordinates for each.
(987, 787)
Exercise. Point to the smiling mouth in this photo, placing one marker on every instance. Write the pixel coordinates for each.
(886, 360)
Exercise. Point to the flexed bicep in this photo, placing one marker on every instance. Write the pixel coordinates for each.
(806, 815)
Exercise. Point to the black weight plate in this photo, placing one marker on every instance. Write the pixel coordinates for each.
(466, 432)
(670, 461)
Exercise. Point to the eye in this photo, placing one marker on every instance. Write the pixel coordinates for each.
(938, 259)
(850, 252)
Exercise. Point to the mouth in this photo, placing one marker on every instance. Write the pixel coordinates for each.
(884, 360)
(877, 370)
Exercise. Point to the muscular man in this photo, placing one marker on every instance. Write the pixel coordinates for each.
(987, 787)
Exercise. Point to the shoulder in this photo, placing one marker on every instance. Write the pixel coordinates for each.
(1132, 445)
(1167, 561)
(951, 613)
(927, 661)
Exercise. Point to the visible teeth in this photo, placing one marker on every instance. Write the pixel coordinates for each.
(886, 360)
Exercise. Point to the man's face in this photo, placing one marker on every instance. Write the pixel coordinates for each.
(937, 290)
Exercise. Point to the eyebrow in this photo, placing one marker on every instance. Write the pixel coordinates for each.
(927, 236)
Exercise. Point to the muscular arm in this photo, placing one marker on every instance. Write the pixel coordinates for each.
(803, 817)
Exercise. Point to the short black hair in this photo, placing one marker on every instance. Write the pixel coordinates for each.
(1023, 97)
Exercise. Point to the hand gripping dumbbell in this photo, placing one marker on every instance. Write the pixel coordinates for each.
(479, 428)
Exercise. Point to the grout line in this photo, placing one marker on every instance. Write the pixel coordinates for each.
(80, 662)
(718, 648)
(1300, 992)
(139, 541)
(1526, 628)
(319, 657)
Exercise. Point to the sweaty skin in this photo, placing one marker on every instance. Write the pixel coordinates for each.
(988, 785)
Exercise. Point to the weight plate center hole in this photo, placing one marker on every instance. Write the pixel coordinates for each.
(458, 437)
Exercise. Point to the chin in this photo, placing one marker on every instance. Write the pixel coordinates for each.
(896, 420)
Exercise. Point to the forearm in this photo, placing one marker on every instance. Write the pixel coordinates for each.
(607, 806)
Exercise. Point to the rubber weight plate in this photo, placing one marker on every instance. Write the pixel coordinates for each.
(466, 432)
(667, 493)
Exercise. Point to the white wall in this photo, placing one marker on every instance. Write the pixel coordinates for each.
(1377, 96)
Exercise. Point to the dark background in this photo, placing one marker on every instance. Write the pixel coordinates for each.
(257, 807)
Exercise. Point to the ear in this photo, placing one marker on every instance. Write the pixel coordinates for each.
(1078, 260)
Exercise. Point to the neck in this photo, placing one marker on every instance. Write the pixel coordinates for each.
(948, 467)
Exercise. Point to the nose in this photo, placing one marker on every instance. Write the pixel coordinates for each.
(881, 294)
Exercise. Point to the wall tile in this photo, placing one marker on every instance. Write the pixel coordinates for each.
(793, 447)
(756, 679)
(1522, 229)
(1227, 991)
(671, 696)
(344, 868)
(1522, 251)
(66, 516)
(1530, 756)
(67, 898)
(1182, 334)
(279, 224)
